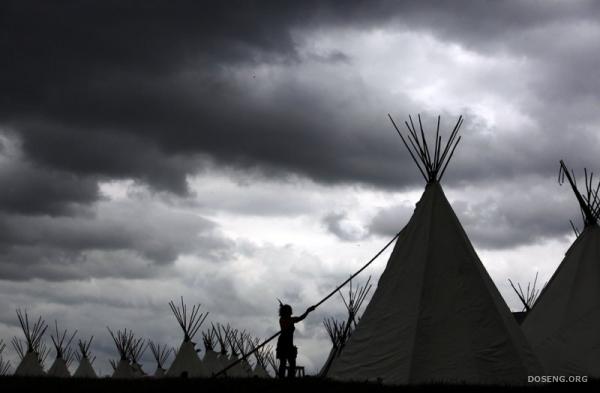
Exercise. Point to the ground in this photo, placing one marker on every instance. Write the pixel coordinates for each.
(308, 385)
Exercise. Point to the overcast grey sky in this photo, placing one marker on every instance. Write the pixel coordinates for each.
(235, 153)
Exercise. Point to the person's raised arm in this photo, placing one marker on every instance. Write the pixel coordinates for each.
(301, 317)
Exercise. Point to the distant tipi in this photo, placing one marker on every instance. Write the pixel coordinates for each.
(211, 362)
(64, 353)
(123, 340)
(161, 354)
(33, 353)
(436, 315)
(85, 368)
(339, 331)
(564, 324)
(187, 363)
(4, 364)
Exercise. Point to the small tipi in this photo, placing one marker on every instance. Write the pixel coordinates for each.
(436, 315)
(187, 363)
(211, 362)
(237, 371)
(123, 340)
(244, 344)
(270, 359)
(85, 368)
(161, 355)
(260, 354)
(136, 351)
(339, 331)
(564, 324)
(221, 334)
(527, 298)
(64, 353)
(4, 364)
(33, 352)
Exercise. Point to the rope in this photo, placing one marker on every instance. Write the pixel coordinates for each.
(268, 340)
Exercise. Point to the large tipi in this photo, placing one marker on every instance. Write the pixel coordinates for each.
(85, 368)
(32, 353)
(564, 324)
(436, 315)
(64, 353)
(187, 363)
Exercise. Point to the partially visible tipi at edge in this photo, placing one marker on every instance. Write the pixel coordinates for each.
(436, 315)
(564, 324)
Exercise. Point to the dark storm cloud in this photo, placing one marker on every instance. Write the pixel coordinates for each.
(155, 91)
(30, 190)
(133, 239)
(139, 90)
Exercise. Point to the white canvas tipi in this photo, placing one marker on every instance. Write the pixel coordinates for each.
(32, 353)
(564, 324)
(123, 341)
(187, 363)
(223, 357)
(244, 344)
(237, 371)
(339, 331)
(64, 353)
(161, 355)
(85, 368)
(260, 368)
(436, 315)
(136, 351)
(211, 361)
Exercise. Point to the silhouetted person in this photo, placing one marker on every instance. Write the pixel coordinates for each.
(286, 351)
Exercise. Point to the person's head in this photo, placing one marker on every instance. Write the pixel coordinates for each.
(285, 310)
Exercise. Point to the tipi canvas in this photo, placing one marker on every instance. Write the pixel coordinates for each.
(237, 371)
(187, 363)
(436, 315)
(64, 354)
(223, 357)
(4, 364)
(123, 341)
(161, 354)
(260, 354)
(85, 368)
(564, 324)
(136, 351)
(31, 353)
(211, 361)
(340, 331)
